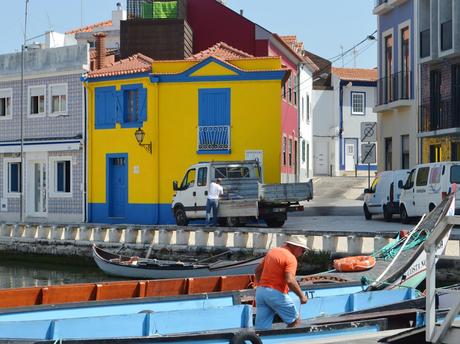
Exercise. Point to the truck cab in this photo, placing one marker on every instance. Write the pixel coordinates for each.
(191, 194)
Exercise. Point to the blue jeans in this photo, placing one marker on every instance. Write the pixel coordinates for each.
(270, 302)
(214, 205)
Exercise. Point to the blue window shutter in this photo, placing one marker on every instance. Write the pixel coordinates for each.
(142, 104)
(60, 177)
(214, 107)
(105, 107)
(14, 177)
(119, 106)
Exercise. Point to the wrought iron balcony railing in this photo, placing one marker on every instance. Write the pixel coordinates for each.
(425, 45)
(446, 35)
(439, 115)
(214, 137)
(395, 87)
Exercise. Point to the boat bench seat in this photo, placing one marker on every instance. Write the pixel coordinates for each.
(331, 305)
(132, 325)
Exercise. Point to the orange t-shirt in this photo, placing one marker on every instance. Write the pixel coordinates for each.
(277, 262)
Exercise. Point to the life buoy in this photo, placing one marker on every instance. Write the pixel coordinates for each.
(243, 337)
(357, 263)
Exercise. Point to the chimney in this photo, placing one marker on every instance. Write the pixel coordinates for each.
(100, 50)
(241, 12)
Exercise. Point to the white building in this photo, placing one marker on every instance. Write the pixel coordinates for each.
(338, 111)
(305, 122)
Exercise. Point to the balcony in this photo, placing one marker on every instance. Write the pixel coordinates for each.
(425, 46)
(214, 139)
(384, 6)
(394, 91)
(446, 35)
(439, 117)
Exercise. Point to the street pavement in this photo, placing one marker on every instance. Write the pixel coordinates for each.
(337, 205)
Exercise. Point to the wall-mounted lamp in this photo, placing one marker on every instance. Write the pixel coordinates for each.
(140, 134)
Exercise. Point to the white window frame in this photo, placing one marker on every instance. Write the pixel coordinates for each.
(53, 193)
(363, 94)
(50, 101)
(29, 107)
(10, 95)
(6, 177)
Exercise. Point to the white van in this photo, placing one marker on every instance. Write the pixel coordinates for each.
(426, 185)
(383, 196)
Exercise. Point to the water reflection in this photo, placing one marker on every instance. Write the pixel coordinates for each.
(17, 274)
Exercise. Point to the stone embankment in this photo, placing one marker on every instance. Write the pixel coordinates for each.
(76, 239)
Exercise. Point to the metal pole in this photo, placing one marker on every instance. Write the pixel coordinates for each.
(22, 172)
(368, 176)
(430, 292)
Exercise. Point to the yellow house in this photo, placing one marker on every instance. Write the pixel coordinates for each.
(149, 120)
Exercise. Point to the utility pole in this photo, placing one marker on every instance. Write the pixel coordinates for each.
(22, 171)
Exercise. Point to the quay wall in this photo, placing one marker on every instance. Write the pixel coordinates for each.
(168, 241)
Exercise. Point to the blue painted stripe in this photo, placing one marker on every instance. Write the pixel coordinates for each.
(208, 152)
(248, 76)
(142, 214)
(116, 77)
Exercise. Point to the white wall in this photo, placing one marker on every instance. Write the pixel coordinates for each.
(305, 123)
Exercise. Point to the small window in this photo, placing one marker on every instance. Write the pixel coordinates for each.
(455, 174)
(303, 151)
(132, 106)
(202, 176)
(290, 152)
(189, 179)
(63, 176)
(284, 151)
(58, 99)
(290, 90)
(37, 100)
(404, 151)
(220, 172)
(14, 177)
(308, 108)
(422, 176)
(358, 103)
(5, 103)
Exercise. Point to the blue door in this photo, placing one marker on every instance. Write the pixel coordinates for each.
(117, 186)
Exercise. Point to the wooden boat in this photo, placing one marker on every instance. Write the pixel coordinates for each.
(143, 318)
(401, 263)
(135, 267)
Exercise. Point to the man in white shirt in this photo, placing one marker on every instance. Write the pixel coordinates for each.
(215, 191)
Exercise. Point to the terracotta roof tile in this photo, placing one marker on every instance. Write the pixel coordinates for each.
(357, 74)
(222, 51)
(135, 64)
(90, 28)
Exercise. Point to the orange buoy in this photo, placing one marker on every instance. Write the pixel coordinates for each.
(357, 263)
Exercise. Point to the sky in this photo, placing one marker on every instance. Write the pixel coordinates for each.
(325, 26)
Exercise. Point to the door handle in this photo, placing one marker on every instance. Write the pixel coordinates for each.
(194, 193)
(205, 193)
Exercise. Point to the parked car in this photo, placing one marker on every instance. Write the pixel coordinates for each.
(383, 196)
(425, 187)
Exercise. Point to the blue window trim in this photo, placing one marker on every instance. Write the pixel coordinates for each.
(224, 151)
(135, 124)
(364, 103)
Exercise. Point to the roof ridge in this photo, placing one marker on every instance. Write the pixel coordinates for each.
(90, 27)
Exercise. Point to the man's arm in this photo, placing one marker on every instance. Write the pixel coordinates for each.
(294, 286)
(259, 270)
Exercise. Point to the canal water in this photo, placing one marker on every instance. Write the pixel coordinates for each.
(17, 273)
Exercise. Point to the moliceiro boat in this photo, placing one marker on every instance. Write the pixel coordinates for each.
(135, 267)
(401, 263)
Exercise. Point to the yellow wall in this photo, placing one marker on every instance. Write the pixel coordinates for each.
(172, 124)
(445, 142)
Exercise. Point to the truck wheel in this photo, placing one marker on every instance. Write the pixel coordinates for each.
(233, 222)
(386, 214)
(181, 217)
(275, 223)
(367, 214)
(403, 214)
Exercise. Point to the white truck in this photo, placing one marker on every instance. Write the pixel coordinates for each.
(245, 197)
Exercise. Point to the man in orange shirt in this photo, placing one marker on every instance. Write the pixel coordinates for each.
(275, 275)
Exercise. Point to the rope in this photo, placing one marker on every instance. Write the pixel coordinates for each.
(366, 281)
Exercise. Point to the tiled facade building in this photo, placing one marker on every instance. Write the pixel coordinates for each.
(51, 184)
